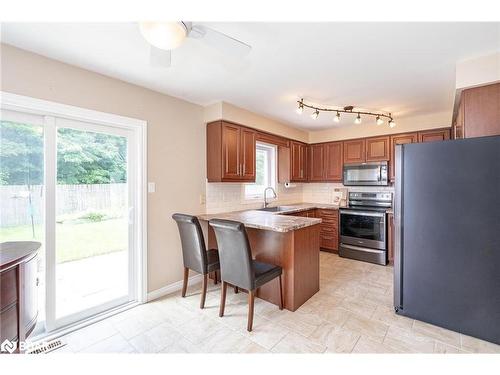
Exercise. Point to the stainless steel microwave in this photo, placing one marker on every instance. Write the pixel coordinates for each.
(366, 174)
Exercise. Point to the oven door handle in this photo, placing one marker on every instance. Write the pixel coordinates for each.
(362, 249)
(362, 213)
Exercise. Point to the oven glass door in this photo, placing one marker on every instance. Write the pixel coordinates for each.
(363, 228)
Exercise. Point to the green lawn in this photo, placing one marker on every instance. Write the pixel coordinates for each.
(76, 240)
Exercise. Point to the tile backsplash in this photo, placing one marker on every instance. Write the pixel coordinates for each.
(224, 197)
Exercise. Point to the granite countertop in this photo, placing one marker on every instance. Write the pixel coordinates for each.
(274, 221)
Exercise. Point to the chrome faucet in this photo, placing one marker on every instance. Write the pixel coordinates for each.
(265, 196)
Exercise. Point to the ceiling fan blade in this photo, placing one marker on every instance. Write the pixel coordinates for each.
(160, 58)
(220, 41)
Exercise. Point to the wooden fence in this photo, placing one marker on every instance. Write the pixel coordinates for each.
(15, 208)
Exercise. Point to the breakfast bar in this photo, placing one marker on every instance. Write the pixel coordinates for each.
(291, 242)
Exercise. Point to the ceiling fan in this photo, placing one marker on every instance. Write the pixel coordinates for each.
(166, 36)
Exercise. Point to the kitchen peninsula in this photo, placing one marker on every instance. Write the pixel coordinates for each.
(280, 238)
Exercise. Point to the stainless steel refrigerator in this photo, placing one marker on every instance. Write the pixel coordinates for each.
(447, 235)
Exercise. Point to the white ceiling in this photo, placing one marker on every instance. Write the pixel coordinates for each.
(404, 68)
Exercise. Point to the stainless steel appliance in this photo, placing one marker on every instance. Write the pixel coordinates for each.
(363, 227)
(447, 243)
(366, 174)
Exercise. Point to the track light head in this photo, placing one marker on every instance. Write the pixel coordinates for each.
(358, 119)
(300, 108)
(315, 115)
(379, 121)
(392, 124)
(337, 117)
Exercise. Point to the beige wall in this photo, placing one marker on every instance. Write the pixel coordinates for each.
(176, 142)
(479, 71)
(229, 112)
(429, 121)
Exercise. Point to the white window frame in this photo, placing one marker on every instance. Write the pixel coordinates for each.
(272, 173)
(50, 110)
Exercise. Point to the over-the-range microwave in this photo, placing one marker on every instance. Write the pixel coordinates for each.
(366, 174)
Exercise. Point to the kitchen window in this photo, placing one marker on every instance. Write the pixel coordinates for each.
(265, 175)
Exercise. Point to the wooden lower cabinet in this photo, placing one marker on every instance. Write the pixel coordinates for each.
(329, 229)
(18, 290)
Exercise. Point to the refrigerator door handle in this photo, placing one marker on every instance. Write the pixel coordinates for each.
(398, 229)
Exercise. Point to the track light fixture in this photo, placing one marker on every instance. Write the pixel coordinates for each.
(379, 116)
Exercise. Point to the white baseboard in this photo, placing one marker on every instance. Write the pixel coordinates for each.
(172, 288)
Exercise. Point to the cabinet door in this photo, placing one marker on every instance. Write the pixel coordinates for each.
(377, 149)
(247, 168)
(482, 111)
(329, 236)
(399, 139)
(354, 151)
(434, 135)
(298, 158)
(231, 152)
(333, 161)
(316, 163)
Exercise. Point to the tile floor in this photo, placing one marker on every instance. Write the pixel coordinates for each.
(352, 313)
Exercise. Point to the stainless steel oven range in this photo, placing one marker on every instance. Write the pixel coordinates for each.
(363, 227)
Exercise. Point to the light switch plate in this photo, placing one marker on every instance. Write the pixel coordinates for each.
(203, 199)
(151, 187)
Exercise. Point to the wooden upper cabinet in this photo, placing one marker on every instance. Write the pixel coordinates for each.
(298, 158)
(481, 111)
(377, 148)
(434, 135)
(231, 146)
(333, 161)
(399, 139)
(230, 152)
(317, 162)
(247, 153)
(354, 151)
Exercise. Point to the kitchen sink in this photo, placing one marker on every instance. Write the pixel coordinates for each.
(276, 209)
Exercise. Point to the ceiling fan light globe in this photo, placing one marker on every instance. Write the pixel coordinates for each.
(163, 35)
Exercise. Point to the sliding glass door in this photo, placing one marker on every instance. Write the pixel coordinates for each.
(73, 185)
(93, 255)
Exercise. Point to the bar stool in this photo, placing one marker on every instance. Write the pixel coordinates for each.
(237, 266)
(194, 253)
